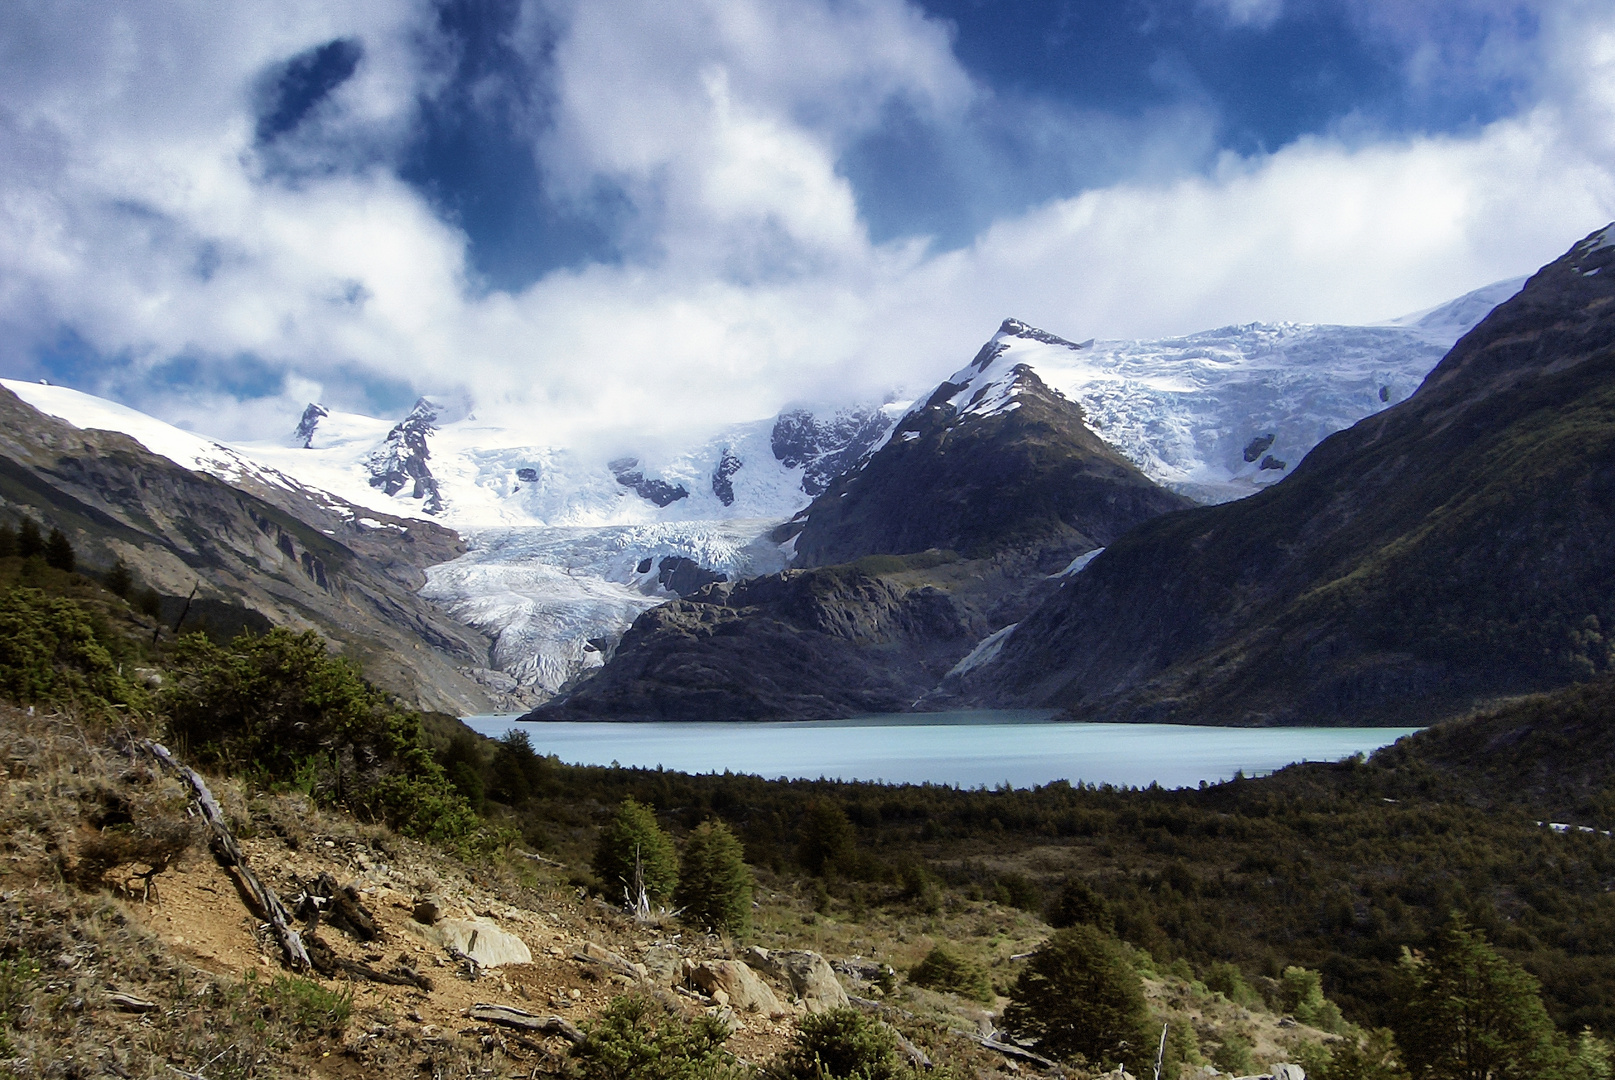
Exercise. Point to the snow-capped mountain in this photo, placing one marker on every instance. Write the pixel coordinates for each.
(559, 534)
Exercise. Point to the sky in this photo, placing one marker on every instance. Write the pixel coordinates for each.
(634, 216)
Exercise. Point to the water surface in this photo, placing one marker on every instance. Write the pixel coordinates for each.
(968, 748)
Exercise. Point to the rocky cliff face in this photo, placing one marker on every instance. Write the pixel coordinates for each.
(800, 645)
(401, 460)
(292, 556)
(1451, 548)
(993, 459)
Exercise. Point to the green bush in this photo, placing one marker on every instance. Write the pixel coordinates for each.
(1081, 998)
(633, 848)
(1369, 1055)
(51, 652)
(270, 704)
(306, 1005)
(715, 884)
(942, 970)
(1468, 1012)
(1229, 981)
(636, 1039)
(1301, 995)
(840, 1044)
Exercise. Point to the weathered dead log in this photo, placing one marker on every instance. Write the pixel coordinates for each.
(130, 1003)
(510, 1016)
(1011, 1051)
(230, 854)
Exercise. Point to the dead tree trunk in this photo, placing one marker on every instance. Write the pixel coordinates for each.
(230, 854)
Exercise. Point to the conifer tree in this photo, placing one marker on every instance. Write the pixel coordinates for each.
(635, 859)
(1079, 996)
(715, 884)
(118, 580)
(1470, 1014)
(8, 541)
(30, 541)
(59, 552)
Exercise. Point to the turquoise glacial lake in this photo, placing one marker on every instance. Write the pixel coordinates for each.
(968, 748)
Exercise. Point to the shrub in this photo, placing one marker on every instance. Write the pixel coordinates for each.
(306, 1005)
(1369, 1055)
(1079, 997)
(636, 1039)
(1229, 981)
(269, 704)
(942, 970)
(633, 851)
(8, 541)
(1468, 1012)
(50, 652)
(715, 884)
(840, 1044)
(1078, 905)
(118, 579)
(1301, 995)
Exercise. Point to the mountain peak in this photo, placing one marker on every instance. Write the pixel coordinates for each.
(304, 435)
(1016, 328)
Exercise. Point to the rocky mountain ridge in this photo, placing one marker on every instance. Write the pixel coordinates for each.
(255, 552)
(1437, 554)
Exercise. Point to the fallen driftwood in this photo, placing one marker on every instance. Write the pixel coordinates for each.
(510, 1016)
(916, 1056)
(230, 854)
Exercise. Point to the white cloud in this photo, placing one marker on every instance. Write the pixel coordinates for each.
(1255, 13)
(133, 207)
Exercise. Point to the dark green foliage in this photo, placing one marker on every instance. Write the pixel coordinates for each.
(826, 837)
(517, 773)
(51, 652)
(715, 884)
(462, 763)
(59, 552)
(8, 541)
(841, 1044)
(632, 850)
(270, 704)
(1080, 997)
(1469, 1014)
(942, 970)
(149, 603)
(30, 541)
(118, 579)
(636, 1039)
(1079, 905)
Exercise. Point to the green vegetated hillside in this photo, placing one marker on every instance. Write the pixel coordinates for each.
(1445, 551)
(255, 554)
(1076, 919)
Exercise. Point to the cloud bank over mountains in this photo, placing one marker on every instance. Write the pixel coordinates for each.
(219, 220)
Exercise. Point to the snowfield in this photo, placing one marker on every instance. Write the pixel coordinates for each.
(558, 534)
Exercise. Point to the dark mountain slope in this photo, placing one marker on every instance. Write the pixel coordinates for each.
(1452, 548)
(802, 645)
(294, 557)
(995, 459)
